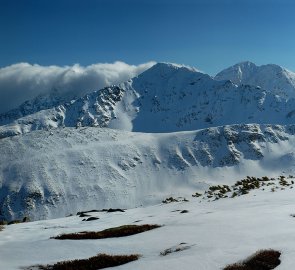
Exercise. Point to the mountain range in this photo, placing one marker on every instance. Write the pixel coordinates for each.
(165, 132)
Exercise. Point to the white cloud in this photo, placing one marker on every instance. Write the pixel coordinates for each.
(23, 81)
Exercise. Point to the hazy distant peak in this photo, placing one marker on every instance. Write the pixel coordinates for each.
(271, 77)
(163, 71)
(245, 64)
(248, 68)
(172, 66)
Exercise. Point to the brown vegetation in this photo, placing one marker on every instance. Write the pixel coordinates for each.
(120, 231)
(90, 219)
(171, 199)
(261, 260)
(183, 211)
(180, 247)
(110, 210)
(244, 186)
(99, 261)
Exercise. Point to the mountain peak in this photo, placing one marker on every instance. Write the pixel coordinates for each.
(176, 66)
(163, 71)
(245, 64)
(166, 98)
(271, 77)
(248, 69)
(167, 67)
(249, 64)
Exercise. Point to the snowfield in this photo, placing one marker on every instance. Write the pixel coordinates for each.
(217, 233)
(48, 174)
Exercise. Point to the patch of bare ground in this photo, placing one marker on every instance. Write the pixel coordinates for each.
(99, 261)
(120, 231)
(261, 260)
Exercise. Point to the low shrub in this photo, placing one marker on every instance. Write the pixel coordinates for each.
(26, 219)
(171, 199)
(90, 219)
(120, 231)
(16, 221)
(180, 247)
(184, 212)
(110, 210)
(261, 260)
(84, 215)
(197, 194)
(99, 261)
(85, 212)
(3, 222)
(245, 186)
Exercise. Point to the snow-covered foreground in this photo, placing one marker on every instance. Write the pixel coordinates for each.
(219, 233)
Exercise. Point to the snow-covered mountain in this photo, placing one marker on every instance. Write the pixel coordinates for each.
(54, 173)
(165, 132)
(274, 78)
(165, 98)
(30, 107)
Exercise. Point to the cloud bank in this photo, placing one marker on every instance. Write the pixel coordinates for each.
(23, 81)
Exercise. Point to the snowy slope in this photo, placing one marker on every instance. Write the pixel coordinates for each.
(165, 98)
(41, 102)
(274, 78)
(47, 174)
(218, 233)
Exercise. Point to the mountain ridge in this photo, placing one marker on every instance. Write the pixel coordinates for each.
(164, 98)
(272, 77)
(48, 174)
(166, 132)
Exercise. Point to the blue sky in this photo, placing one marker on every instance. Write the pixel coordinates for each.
(207, 34)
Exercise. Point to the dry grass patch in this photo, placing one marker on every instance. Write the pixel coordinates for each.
(120, 231)
(261, 260)
(99, 261)
(245, 186)
(171, 200)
